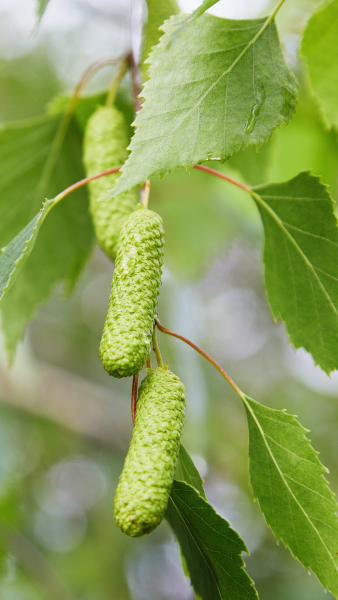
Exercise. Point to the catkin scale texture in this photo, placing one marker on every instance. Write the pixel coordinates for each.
(127, 331)
(144, 486)
(105, 147)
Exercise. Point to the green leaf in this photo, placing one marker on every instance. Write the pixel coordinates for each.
(31, 169)
(215, 89)
(288, 481)
(319, 48)
(211, 549)
(301, 263)
(40, 8)
(158, 12)
(201, 9)
(14, 255)
(186, 471)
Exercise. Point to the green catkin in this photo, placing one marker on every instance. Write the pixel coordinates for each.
(144, 486)
(105, 143)
(158, 12)
(127, 331)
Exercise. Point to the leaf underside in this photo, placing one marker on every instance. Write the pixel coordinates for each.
(301, 263)
(320, 50)
(211, 549)
(216, 88)
(288, 480)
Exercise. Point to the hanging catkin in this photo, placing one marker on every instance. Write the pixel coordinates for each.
(144, 487)
(127, 331)
(105, 143)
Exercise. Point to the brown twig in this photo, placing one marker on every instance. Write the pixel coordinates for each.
(136, 77)
(134, 397)
(82, 182)
(146, 186)
(149, 362)
(222, 176)
(211, 360)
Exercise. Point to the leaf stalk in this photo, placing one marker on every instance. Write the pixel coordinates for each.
(204, 354)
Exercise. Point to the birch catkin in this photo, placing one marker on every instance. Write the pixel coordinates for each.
(144, 487)
(127, 331)
(105, 147)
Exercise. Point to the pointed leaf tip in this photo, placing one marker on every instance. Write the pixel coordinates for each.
(288, 481)
(301, 263)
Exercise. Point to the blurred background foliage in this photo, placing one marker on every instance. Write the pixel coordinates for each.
(65, 425)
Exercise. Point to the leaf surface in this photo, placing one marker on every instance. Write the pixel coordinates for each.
(158, 12)
(288, 480)
(27, 177)
(211, 549)
(301, 263)
(186, 471)
(216, 88)
(320, 50)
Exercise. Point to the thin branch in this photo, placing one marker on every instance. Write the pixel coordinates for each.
(149, 362)
(156, 349)
(134, 397)
(222, 176)
(82, 182)
(116, 82)
(211, 360)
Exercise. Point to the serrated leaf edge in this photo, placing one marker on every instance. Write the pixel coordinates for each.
(242, 566)
(248, 407)
(278, 316)
(162, 43)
